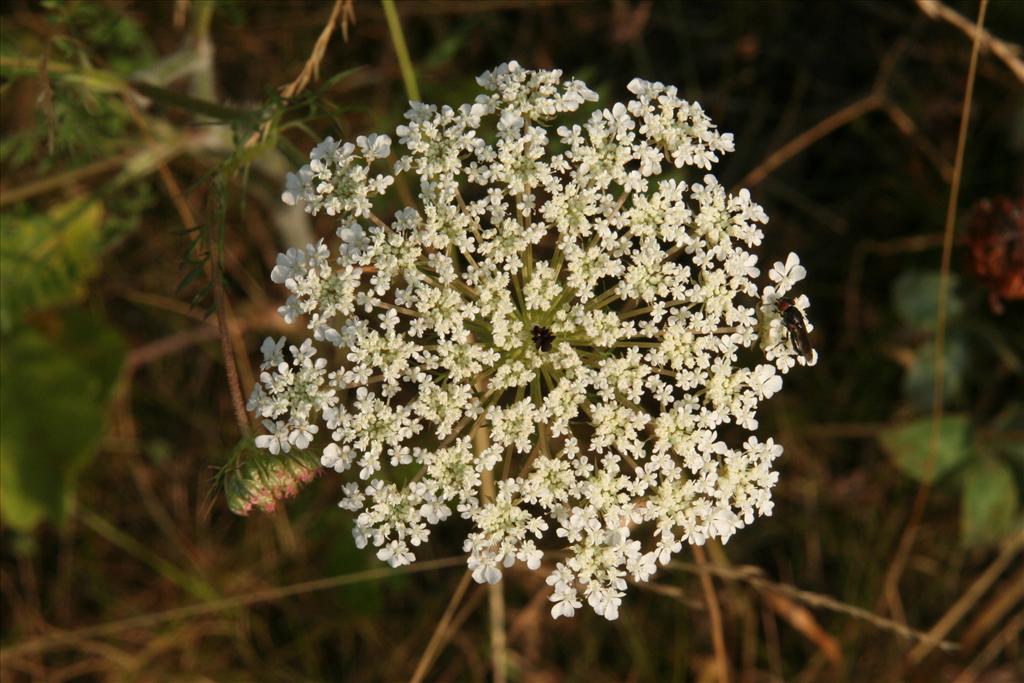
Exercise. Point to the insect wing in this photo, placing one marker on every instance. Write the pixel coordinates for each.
(801, 340)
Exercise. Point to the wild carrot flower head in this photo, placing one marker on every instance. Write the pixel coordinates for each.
(571, 308)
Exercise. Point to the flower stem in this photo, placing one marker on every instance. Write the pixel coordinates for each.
(401, 51)
(715, 614)
(499, 644)
(495, 591)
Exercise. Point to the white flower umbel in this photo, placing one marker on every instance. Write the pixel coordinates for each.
(575, 289)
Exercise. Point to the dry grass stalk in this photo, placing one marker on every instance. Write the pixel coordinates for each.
(344, 12)
(899, 560)
(1007, 52)
(73, 638)
(829, 124)
(970, 597)
(754, 578)
(1002, 639)
(714, 612)
(441, 632)
(1004, 598)
(803, 621)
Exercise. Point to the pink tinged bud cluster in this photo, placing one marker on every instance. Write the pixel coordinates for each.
(571, 307)
(262, 481)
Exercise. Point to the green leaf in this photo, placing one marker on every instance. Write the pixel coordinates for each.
(989, 507)
(341, 556)
(916, 299)
(54, 394)
(1006, 433)
(45, 260)
(191, 104)
(919, 379)
(908, 445)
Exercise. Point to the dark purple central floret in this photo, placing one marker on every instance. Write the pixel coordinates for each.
(542, 337)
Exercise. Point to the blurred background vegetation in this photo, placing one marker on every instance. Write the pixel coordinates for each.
(143, 153)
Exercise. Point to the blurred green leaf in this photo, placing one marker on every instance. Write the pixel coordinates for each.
(919, 379)
(908, 444)
(1004, 434)
(1014, 449)
(916, 299)
(100, 32)
(989, 507)
(192, 105)
(46, 259)
(367, 599)
(449, 46)
(53, 397)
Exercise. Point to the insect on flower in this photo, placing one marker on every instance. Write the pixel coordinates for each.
(793, 319)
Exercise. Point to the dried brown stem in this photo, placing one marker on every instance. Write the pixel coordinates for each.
(1002, 639)
(58, 180)
(875, 100)
(714, 612)
(311, 69)
(441, 633)
(188, 219)
(49, 642)
(1007, 52)
(906, 125)
(971, 596)
(1005, 597)
(800, 618)
(753, 577)
(829, 124)
(160, 348)
(234, 386)
(906, 543)
(343, 11)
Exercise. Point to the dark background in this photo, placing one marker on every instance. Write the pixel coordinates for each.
(116, 414)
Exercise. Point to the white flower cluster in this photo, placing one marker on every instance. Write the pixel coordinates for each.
(567, 311)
